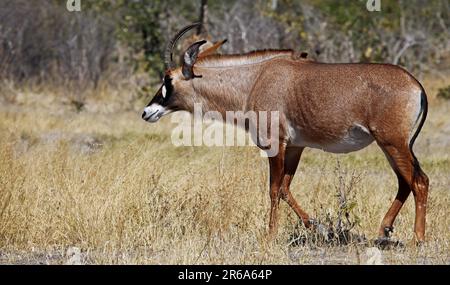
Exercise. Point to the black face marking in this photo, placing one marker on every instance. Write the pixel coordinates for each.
(159, 98)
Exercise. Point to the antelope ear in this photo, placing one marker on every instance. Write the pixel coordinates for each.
(212, 49)
(189, 59)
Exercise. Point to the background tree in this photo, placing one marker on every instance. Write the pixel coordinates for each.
(111, 39)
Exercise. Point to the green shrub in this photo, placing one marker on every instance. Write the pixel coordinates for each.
(444, 93)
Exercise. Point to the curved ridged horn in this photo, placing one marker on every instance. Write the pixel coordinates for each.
(168, 58)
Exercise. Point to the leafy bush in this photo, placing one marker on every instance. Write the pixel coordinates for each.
(444, 93)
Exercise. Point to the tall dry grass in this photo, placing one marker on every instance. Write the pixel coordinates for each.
(114, 186)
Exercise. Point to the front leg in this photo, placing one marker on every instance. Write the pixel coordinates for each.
(276, 164)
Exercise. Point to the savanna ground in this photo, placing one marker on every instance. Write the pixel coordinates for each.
(102, 180)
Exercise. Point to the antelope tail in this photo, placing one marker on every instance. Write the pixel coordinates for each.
(423, 114)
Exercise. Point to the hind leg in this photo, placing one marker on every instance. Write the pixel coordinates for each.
(420, 192)
(397, 159)
(388, 221)
(410, 178)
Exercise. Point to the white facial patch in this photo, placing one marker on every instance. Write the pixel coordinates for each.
(153, 112)
(164, 91)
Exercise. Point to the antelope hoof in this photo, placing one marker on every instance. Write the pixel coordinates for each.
(385, 243)
(388, 231)
(420, 243)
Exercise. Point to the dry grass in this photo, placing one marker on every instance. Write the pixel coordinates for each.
(115, 187)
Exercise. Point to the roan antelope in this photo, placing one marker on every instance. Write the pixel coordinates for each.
(338, 108)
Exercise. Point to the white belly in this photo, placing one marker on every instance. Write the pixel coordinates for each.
(357, 137)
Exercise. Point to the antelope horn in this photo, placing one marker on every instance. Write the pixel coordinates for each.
(168, 55)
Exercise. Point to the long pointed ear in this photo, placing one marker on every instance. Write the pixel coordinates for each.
(212, 49)
(189, 59)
